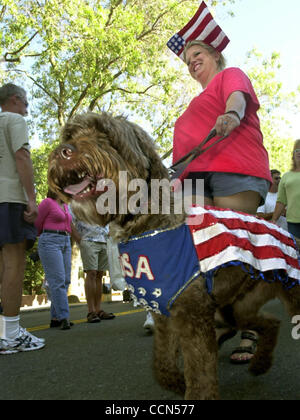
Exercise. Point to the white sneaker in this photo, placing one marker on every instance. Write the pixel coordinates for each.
(33, 337)
(24, 342)
(149, 323)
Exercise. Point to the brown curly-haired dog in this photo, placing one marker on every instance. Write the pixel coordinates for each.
(97, 147)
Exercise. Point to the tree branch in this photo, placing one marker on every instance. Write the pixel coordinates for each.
(36, 83)
(81, 98)
(11, 60)
(111, 12)
(2, 12)
(143, 92)
(152, 28)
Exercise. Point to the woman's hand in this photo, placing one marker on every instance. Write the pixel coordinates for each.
(226, 123)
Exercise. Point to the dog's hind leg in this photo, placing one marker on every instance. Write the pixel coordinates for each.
(266, 326)
(291, 299)
(193, 320)
(166, 355)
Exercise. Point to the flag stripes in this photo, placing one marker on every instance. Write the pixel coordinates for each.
(223, 236)
(201, 27)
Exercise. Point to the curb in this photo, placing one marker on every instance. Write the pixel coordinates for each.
(46, 308)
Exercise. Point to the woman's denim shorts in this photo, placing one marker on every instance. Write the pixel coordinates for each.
(221, 184)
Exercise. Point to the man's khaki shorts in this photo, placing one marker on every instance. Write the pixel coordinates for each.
(93, 255)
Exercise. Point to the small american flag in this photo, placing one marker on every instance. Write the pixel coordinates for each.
(201, 27)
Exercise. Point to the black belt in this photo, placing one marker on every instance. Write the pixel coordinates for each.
(58, 232)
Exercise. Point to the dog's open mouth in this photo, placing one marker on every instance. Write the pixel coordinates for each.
(81, 186)
(83, 189)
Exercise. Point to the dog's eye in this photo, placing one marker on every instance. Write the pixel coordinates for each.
(66, 152)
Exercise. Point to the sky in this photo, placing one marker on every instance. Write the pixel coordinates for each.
(267, 25)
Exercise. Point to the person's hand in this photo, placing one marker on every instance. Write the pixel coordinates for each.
(31, 212)
(226, 123)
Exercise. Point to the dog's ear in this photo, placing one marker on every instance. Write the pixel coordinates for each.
(135, 145)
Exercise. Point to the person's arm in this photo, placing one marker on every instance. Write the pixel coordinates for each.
(282, 200)
(227, 122)
(25, 171)
(265, 216)
(75, 234)
(237, 103)
(279, 210)
(43, 213)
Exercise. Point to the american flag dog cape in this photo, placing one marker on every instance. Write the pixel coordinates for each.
(160, 264)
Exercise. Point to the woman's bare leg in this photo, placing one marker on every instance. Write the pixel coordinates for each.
(247, 202)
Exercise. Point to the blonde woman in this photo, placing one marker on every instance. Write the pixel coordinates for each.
(289, 194)
(236, 172)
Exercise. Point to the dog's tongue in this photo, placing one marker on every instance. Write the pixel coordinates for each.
(77, 188)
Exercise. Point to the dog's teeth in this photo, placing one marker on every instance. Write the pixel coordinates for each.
(86, 190)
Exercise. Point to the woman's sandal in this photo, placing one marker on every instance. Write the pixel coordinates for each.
(245, 349)
(105, 315)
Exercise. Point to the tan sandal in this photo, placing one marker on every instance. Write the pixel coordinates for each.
(105, 315)
(245, 349)
(93, 318)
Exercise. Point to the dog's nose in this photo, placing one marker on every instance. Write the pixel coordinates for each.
(66, 151)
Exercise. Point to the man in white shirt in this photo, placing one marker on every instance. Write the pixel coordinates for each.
(266, 211)
(18, 211)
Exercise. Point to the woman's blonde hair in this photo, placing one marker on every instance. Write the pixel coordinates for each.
(296, 146)
(211, 50)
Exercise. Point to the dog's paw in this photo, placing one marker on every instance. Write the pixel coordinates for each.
(260, 366)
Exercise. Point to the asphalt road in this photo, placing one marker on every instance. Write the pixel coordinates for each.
(112, 361)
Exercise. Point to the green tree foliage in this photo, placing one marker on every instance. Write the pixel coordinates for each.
(40, 164)
(97, 55)
(276, 105)
(34, 276)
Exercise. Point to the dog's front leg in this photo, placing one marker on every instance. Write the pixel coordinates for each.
(200, 363)
(165, 356)
(193, 319)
